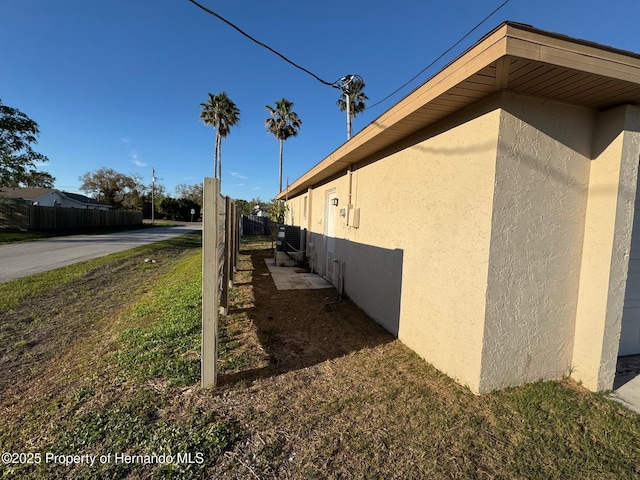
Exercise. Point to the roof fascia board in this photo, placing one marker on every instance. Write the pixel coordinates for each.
(577, 55)
(507, 40)
(488, 50)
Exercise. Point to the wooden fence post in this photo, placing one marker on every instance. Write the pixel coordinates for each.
(210, 275)
(227, 271)
(236, 236)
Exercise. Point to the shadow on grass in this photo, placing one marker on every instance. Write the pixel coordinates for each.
(301, 328)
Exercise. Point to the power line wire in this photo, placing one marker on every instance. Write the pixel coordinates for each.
(442, 55)
(337, 84)
(211, 12)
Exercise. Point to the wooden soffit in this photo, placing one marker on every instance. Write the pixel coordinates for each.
(513, 57)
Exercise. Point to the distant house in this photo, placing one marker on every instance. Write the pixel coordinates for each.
(490, 218)
(49, 197)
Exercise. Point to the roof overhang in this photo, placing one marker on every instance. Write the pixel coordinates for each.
(513, 57)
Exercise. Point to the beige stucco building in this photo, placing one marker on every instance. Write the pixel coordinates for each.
(487, 218)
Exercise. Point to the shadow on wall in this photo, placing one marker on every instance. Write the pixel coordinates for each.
(372, 278)
(301, 328)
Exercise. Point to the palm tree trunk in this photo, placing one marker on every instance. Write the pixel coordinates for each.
(220, 162)
(280, 170)
(215, 156)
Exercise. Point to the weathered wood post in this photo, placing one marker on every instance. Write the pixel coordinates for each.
(210, 275)
(226, 269)
(236, 236)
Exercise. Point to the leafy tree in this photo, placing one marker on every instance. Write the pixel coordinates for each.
(17, 158)
(243, 206)
(282, 123)
(178, 208)
(263, 205)
(190, 192)
(186, 205)
(249, 207)
(38, 179)
(355, 90)
(277, 211)
(119, 190)
(170, 208)
(221, 113)
(135, 199)
(158, 196)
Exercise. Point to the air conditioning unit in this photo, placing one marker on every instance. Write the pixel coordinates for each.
(291, 245)
(291, 238)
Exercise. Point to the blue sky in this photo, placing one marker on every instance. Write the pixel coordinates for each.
(119, 84)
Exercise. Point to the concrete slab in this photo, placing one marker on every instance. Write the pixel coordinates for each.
(293, 278)
(626, 386)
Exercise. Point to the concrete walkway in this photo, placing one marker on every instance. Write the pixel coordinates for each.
(626, 386)
(294, 278)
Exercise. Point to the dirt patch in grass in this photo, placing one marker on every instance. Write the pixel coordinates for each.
(46, 327)
(52, 339)
(305, 390)
(297, 328)
(341, 398)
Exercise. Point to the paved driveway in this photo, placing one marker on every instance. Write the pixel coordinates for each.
(23, 259)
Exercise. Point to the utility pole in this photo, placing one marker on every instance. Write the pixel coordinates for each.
(346, 94)
(347, 80)
(153, 195)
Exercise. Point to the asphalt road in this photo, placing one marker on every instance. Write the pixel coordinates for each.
(27, 258)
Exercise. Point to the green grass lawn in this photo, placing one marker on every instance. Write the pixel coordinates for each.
(11, 236)
(108, 363)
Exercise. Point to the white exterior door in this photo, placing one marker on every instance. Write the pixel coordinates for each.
(330, 212)
(630, 335)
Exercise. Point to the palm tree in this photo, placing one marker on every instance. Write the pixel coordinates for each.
(221, 113)
(282, 123)
(354, 89)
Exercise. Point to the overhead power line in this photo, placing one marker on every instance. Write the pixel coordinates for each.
(439, 57)
(264, 45)
(338, 83)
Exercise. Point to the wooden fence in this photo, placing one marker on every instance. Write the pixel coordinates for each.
(255, 225)
(35, 217)
(220, 244)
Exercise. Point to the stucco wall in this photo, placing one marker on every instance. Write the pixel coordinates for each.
(470, 239)
(426, 203)
(542, 170)
(607, 238)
